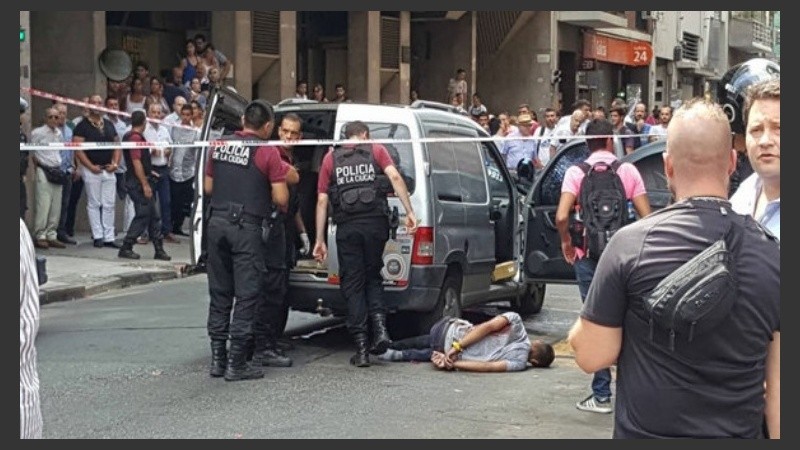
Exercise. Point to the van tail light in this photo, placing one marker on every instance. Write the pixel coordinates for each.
(423, 247)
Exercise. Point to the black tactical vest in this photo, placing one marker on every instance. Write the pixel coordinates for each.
(130, 173)
(354, 187)
(237, 180)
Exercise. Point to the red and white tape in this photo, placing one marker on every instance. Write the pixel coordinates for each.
(250, 143)
(70, 101)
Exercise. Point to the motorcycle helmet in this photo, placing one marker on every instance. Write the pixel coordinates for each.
(732, 88)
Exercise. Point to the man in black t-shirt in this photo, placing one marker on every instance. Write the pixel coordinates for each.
(719, 382)
(98, 167)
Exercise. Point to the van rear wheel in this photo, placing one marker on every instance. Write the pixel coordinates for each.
(448, 304)
(530, 301)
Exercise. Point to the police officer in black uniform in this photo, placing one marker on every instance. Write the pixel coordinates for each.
(731, 94)
(23, 162)
(246, 183)
(140, 185)
(354, 178)
(281, 257)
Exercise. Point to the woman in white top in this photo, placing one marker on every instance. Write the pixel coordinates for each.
(135, 100)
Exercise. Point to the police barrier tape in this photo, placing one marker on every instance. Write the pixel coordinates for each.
(69, 101)
(84, 146)
(301, 143)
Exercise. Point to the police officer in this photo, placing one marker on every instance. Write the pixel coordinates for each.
(731, 94)
(23, 162)
(354, 178)
(280, 258)
(140, 186)
(245, 183)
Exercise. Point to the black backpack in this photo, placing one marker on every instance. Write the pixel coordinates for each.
(603, 205)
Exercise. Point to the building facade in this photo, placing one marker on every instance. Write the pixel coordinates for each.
(542, 58)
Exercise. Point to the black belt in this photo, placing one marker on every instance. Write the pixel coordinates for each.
(245, 216)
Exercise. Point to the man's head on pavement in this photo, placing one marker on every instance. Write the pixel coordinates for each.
(699, 159)
(542, 354)
(763, 131)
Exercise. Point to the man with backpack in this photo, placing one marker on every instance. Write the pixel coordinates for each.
(606, 192)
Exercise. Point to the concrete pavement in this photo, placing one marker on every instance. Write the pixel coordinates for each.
(82, 270)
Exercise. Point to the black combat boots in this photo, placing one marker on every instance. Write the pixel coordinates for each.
(238, 367)
(219, 358)
(126, 251)
(267, 354)
(361, 358)
(158, 244)
(380, 335)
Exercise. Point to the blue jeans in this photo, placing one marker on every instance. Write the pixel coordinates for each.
(584, 272)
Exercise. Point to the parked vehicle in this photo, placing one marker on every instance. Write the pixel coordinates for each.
(481, 237)
(464, 197)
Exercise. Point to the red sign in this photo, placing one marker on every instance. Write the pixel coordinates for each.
(617, 51)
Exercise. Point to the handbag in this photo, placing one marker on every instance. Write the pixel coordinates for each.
(54, 174)
(698, 295)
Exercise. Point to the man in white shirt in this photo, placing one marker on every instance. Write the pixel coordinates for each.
(155, 132)
(48, 193)
(175, 117)
(759, 195)
(659, 132)
(563, 130)
(544, 132)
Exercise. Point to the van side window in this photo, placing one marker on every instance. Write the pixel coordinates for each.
(457, 169)
(498, 188)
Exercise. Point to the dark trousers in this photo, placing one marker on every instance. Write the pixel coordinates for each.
(66, 192)
(270, 321)
(161, 186)
(359, 245)
(416, 348)
(182, 197)
(72, 205)
(146, 218)
(235, 269)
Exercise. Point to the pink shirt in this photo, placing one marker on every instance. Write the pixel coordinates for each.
(631, 179)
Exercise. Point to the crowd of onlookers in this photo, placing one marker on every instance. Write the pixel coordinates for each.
(633, 123)
(174, 104)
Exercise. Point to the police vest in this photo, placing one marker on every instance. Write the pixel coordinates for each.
(238, 181)
(356, 187)
(130, 173)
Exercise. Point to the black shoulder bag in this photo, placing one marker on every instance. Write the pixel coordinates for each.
(699, 294)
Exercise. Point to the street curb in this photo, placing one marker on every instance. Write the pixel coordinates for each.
(119, 281)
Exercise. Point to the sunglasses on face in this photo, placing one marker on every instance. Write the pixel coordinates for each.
(52, 117)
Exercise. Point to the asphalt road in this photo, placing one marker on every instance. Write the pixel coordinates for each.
(133, 364)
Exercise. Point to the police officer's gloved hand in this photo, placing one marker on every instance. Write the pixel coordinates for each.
(306, 244)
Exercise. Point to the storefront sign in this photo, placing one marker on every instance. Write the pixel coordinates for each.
(617, 51)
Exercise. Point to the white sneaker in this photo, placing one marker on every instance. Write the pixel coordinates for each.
(594, 405)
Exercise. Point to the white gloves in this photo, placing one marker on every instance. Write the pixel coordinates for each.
(306, 244)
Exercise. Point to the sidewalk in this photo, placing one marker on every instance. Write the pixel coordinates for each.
(82, 270)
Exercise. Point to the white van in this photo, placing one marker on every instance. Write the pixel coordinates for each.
(468, 248)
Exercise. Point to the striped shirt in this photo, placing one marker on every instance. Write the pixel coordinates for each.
(30, 414)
